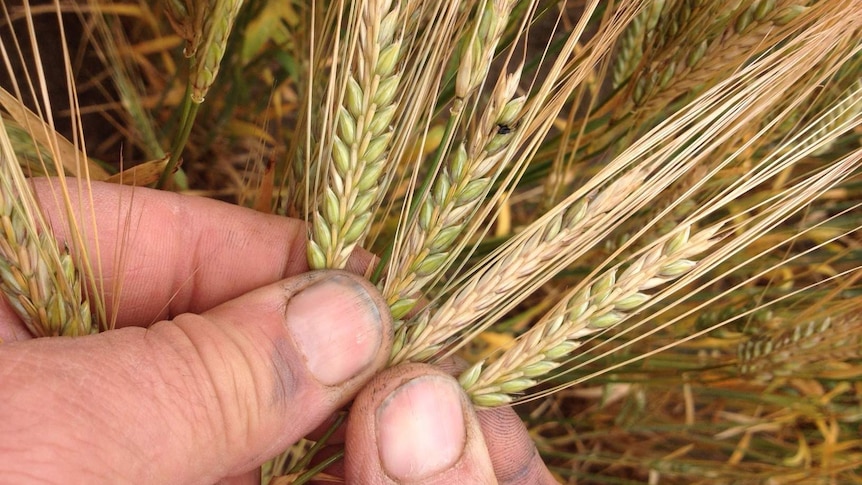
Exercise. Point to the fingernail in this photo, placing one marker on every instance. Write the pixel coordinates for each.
(421, 428)
(337, 327)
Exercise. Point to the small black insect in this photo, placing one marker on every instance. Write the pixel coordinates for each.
(503, 129)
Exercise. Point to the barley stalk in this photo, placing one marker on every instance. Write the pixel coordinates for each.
(358, 157)
(597, 306)
(39, 281)
(458, 190)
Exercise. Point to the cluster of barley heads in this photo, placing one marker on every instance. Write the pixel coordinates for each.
(561, 179)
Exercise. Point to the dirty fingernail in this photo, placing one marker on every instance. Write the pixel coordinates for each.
(421, 428)
(337, 327)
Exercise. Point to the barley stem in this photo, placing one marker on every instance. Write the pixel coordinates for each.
(189, 111)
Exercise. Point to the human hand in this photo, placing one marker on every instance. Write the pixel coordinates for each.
(250, 353)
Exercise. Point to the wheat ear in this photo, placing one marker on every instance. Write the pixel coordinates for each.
(458, 190)
(535, 120)
(849, 107)
(361, 140)
(607, 300)
(186, 18)
(495, 285)
(597, 306)
(39, 281)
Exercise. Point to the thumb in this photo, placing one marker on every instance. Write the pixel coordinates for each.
(194, 399)
(414, 424)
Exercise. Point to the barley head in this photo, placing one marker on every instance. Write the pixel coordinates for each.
(599, 305)
(458, 190)
(480, 45)
(39, 281)
(218, 20)
(358, 159)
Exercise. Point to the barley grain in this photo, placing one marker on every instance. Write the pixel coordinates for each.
(631, 43)
(717, 47)
(794, 349)
(515, 269)
(480, 45)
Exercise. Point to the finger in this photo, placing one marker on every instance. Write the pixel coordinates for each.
(452, 366)
(168, 254)
(512, 451)
(195, 399)
(414, 424)
(248, 478)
